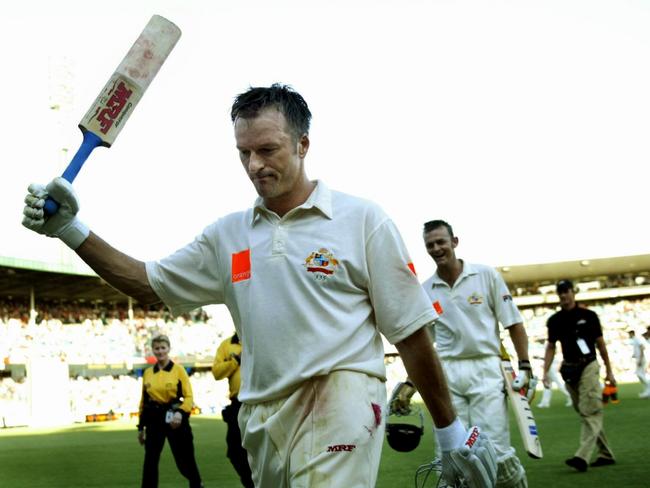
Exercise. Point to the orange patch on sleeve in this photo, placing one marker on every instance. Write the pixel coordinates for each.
(437, 307)
(412, 268)
(241, 265)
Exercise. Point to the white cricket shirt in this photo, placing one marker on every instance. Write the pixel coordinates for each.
(470, 312)
(309, 293)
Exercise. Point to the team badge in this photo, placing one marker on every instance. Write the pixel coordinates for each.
(475, 299)
(321, 263)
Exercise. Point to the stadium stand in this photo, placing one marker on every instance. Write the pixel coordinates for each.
(104, 337)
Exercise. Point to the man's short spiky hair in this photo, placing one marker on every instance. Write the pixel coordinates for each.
(249, 104)
(434, 224)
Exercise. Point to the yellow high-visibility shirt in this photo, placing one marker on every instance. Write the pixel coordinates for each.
(226, 366)
(166, 385)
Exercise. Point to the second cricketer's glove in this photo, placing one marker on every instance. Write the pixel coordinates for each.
(64, 224)
(400, 399)
(474, 462)
(525, 380)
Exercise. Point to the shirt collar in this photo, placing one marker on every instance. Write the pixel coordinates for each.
(167, 368)
(468, 270)
(320, 199)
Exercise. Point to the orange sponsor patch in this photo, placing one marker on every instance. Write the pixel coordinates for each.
(437, 307)
(412, 268)
(241, 265)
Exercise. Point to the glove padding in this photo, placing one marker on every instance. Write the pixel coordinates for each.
(474, 462)
(64, 224)
(525, 382)
(400, 399)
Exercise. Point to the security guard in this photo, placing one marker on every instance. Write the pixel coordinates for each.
(226, 365)
(164, 414)
(579, 331)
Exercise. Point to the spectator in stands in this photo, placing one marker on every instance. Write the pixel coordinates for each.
(226, 364)
(164, 414)
(578, 330)
(639, 345)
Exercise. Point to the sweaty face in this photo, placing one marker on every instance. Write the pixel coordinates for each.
(271, 156)
(441, 246)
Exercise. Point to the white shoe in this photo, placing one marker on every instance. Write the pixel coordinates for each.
(543, 405)
(569, 403)
(645, 394)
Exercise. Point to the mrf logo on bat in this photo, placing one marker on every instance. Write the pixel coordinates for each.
(119, 95)
(112, 107)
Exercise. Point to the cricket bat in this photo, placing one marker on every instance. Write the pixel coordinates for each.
(117, 100)
(521, 409)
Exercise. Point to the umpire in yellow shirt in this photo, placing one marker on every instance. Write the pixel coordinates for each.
(226, 365)
(164, 414)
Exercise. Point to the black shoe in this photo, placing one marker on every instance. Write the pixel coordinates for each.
(602, 461)
(577, 463)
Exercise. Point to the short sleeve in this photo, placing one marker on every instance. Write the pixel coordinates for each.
(504, 306)
(190, 277)
(400, 303)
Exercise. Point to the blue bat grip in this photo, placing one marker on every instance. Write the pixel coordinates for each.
(90, 142)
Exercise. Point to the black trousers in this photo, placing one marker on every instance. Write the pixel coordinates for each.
(181, 442)
(235, 452)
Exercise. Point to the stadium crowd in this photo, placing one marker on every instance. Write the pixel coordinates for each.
(81, 334)
(604, 283)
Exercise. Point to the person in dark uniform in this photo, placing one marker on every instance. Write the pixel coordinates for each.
(578, 330)
(226, 365)
(164, 414)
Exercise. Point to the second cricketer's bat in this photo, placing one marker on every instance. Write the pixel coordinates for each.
(111, 109)
(521, 408)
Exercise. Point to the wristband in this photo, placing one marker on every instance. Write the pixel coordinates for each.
(525, 364)
(74, 234)
(452, 436)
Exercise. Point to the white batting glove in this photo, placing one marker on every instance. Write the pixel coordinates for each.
(473, 462)
(525, 381)
(64, 224)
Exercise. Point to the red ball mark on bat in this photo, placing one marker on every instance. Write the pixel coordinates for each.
(148, 54)
(134, 73)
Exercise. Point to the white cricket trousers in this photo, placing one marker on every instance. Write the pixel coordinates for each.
(328, 433)
(478, 395)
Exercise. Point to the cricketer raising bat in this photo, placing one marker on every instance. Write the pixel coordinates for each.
(112, 108)
(521, 409)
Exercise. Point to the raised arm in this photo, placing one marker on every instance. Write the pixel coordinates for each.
(119, 270)
(126, 274)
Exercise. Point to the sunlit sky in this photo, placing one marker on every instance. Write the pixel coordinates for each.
(523, 123)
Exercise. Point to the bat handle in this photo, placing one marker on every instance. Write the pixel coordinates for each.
(90, 142)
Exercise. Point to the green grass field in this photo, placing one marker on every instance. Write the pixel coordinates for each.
(108, 455)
